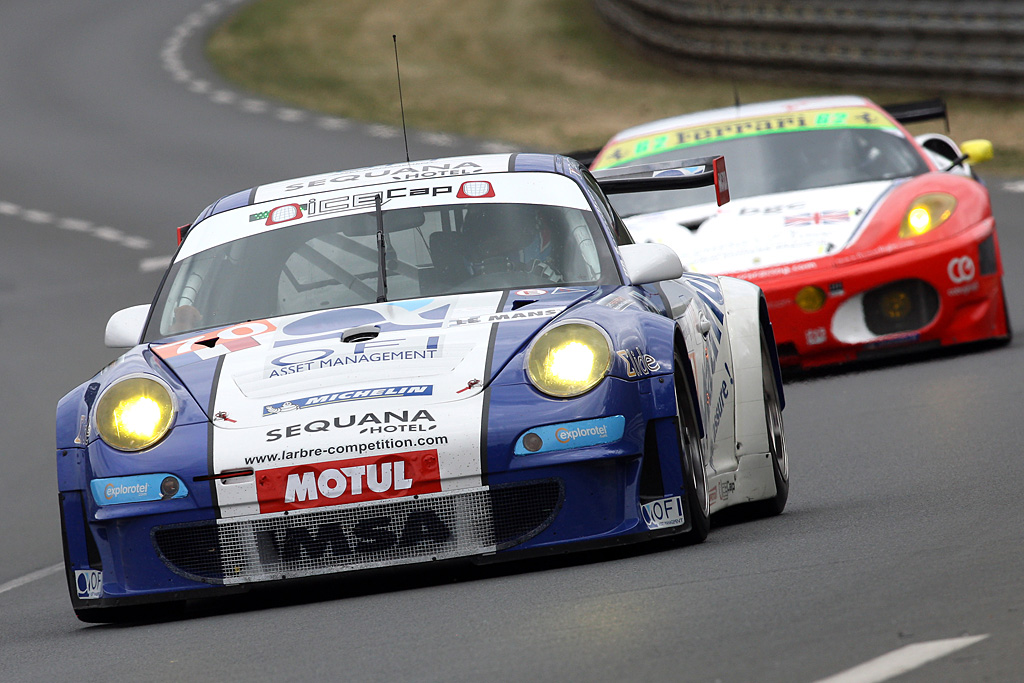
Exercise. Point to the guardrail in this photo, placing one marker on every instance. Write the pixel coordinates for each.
(964, 46)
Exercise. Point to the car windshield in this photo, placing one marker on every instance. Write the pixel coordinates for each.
(334, 261)
(784, 162)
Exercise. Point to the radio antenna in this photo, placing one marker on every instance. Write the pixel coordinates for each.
(735, 88)
(401, 104)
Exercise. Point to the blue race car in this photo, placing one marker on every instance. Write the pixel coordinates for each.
(455, 358)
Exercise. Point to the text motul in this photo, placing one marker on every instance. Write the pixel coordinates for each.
(333, 482)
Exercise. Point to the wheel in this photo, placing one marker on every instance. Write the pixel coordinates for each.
(692, 454)
(776, 438)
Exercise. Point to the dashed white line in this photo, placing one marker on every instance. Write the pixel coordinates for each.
(1014, 186)
(105, 232)
(29, 578)
(155, 263)
(901, 661)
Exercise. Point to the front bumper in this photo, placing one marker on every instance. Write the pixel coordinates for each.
(549, 502)
(944, 293)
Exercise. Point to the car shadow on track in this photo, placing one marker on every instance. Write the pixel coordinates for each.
(892, 359)
(382, 581)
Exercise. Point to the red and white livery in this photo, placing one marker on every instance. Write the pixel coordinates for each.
(866, 240)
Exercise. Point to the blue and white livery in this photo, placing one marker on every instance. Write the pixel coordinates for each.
(461, 358)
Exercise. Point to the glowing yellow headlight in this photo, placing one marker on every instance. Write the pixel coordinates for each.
(134, 413)
(810, 298)
(926, 213)
(569, 360)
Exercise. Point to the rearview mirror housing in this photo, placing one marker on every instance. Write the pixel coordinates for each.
(124, 329)
(649, 262)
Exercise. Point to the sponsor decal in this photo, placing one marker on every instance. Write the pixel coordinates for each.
(781, 270)
(512, 316)
(137, 489)
(723, 393)
(663, 513)
(380, 445)
(746, 210)
(345, 396)
(833, 217)
(964, 289)
(835, 289)
(411, 172)
(568, 435)
(638, 363)
(627, 151)
(725, 488)
(336, 543)
(397, 316)
(341, 482)
(815, 336)
(211, 344)
(960, 270)
(713, 495)
(372, 351)
(368, 423)
(89, 584)
(629, 300)
(264, 215)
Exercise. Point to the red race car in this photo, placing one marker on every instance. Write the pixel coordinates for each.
(866, 240)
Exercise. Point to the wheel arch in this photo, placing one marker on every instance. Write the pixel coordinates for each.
(747, 314)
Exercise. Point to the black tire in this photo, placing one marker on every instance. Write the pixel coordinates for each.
(776, 438)
(691, 453)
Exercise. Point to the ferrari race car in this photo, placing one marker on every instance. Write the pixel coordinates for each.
(866, 241)
(457, 358)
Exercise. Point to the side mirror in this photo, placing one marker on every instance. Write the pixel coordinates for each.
(649, 262)
(977, 151)
(124, 329)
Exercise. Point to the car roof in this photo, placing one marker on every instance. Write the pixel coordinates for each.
(743, 110)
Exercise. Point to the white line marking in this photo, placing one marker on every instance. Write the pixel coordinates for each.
(901, 661)
(104, 232)
(29, 578)
(149, 265)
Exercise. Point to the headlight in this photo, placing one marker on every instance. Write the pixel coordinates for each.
(134, 413)
(926, 213)
(569, 359)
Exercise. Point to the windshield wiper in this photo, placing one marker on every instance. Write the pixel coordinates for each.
(382, 277)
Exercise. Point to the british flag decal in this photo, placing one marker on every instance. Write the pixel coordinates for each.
(818, 218)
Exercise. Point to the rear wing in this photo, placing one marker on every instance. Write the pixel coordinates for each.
(667, 175)
(913, 112)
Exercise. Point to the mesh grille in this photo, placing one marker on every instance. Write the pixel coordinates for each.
(427, 527)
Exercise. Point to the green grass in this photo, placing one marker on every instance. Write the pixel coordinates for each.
(544, 74)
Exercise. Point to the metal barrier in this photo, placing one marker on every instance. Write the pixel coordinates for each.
(964, 46)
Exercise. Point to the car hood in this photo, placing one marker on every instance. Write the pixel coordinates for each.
(423, 351)
(763, 231)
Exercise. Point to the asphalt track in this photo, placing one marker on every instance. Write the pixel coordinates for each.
(905, 524)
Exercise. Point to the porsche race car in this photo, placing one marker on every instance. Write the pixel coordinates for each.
(866, 240)
(456, 358)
